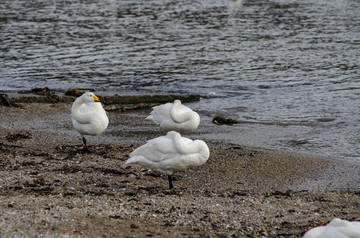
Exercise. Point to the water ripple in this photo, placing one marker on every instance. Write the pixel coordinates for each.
(281, 62)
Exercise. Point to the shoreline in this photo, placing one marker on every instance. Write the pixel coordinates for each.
(135, 102)
(48, 187)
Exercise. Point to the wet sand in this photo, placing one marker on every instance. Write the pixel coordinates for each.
(50, 188)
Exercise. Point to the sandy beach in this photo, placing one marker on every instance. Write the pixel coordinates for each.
(50, 188)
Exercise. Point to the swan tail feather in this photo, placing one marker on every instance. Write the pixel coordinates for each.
(133, 160)
(149, 118)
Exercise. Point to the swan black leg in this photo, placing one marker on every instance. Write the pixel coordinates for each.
(171, 186)
(86, 148)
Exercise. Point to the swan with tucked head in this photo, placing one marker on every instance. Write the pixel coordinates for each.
(337, 228)
(88, 116)
(175, 117)
(170, 153)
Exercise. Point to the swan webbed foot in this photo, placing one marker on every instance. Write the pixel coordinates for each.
(87, 150)
(171, 186)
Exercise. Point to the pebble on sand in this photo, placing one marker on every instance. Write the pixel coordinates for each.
(134, 226)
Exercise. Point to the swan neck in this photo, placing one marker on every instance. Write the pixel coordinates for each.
(185, 149)
(179, 117)
(76, 114)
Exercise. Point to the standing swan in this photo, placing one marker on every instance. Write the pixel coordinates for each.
(337, 228)
(175, 117)
(170, 153)
(88, 116)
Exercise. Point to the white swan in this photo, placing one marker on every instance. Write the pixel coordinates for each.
(170, 153)
(175, 117)
(88, 116)
(337, 228)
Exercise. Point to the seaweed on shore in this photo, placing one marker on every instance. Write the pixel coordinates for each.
(4, 100)
(74, 92)
(222, 120)
(40, 91)
(17, 136)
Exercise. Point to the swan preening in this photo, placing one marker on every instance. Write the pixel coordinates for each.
(88, 116)
(175, 117)
(337, 228)
(165, 154)
(170, 153)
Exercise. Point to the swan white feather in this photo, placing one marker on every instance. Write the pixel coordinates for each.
(175, 117)
(88, 115)
(337, 228)
(170, 153)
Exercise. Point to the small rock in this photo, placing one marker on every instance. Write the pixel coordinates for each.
(134, 226)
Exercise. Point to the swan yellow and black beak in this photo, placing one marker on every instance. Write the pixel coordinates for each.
(96, 99)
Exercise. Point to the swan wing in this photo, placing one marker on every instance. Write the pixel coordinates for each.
(182, 118)
(174, 116)
(191, 153)
(341, 232)
(337, 228)
(314, 232)
(83, 128)
(170, 153)
(94, 107)
(156, 149)
(183, 145)
(94, 119)
(154, 154)
(160, 113)
(183, 109)
(179, 162)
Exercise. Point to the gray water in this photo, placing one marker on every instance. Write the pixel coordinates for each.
(288, 71)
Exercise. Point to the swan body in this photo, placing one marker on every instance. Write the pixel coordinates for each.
(337, 228)
(88, 116)
(170, 153)
(174, 117)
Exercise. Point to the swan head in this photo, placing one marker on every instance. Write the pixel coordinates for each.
(172, 134)
(89, 97)
(177, 102)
